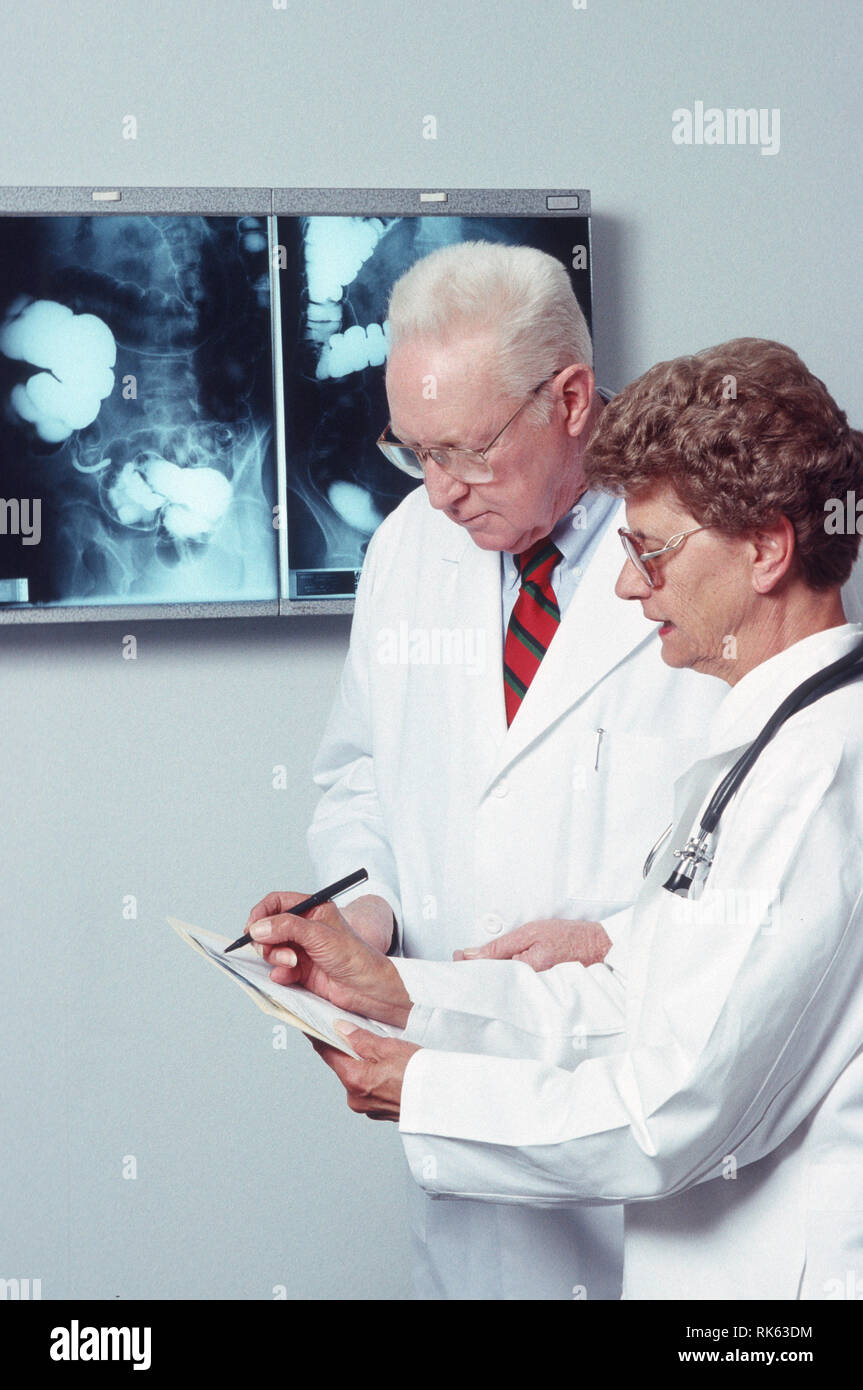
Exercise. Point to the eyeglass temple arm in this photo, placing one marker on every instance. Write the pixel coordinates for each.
(672, 543)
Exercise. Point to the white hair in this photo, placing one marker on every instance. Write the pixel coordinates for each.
(521, 296)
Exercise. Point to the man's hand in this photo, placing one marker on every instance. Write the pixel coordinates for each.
(374, 1083)
(371, 918)
(322, 952)
(546, 943)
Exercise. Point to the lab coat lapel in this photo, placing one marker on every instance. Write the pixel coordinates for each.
(472, 594)
(745, 711)
(597, 632)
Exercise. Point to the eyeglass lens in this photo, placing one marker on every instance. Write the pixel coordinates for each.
(630, 545)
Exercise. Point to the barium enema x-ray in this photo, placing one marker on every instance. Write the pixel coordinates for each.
(335, 278)
(136, 404)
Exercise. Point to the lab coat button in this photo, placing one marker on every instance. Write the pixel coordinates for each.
(492, 923)
(501, 789)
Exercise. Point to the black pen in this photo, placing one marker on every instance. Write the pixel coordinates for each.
(322, 896)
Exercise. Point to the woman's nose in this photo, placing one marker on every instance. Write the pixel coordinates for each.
(631, 583)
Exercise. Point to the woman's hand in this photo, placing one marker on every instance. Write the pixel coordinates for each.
(374, 1081)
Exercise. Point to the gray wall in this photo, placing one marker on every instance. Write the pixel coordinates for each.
(153, 777)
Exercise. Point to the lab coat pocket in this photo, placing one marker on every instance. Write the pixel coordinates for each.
(628, 800)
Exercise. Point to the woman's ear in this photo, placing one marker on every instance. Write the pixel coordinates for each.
(772, 550)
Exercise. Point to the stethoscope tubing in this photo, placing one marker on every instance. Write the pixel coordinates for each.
(848, 668)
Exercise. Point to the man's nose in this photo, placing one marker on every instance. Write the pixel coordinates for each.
(631, 583)
(443, 489)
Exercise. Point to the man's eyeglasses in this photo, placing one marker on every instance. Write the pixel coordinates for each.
(639, 556)
(467, 465)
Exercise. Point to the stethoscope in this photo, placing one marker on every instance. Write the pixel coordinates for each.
(695, 856)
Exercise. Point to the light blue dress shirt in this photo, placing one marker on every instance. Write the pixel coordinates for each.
(577, 536)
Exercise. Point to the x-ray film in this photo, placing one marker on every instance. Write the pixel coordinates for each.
(335, 276)
(137, 451)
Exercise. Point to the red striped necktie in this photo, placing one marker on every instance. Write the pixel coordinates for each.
(534, 621)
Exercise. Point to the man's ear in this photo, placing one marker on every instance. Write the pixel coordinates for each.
(772, 549)
(577, 384)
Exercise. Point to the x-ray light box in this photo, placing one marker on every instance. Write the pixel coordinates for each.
(192, 384)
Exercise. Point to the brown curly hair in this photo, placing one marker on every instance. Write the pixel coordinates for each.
(744, 433)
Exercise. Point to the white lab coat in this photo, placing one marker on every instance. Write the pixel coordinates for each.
(731, 1123)
(468, 828)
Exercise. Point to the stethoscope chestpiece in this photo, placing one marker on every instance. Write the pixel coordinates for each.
(692, 857)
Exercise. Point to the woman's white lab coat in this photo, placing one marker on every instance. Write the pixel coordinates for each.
(731, 1122)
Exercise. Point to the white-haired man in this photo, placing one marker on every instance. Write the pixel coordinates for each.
(505, 736)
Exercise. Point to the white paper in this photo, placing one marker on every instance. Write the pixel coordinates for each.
(292, 1003)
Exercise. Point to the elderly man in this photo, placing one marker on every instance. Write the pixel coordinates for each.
(505, 734)
(729, 1121)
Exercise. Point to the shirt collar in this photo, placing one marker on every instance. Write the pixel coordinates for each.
(750, 703)
(569, 539)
